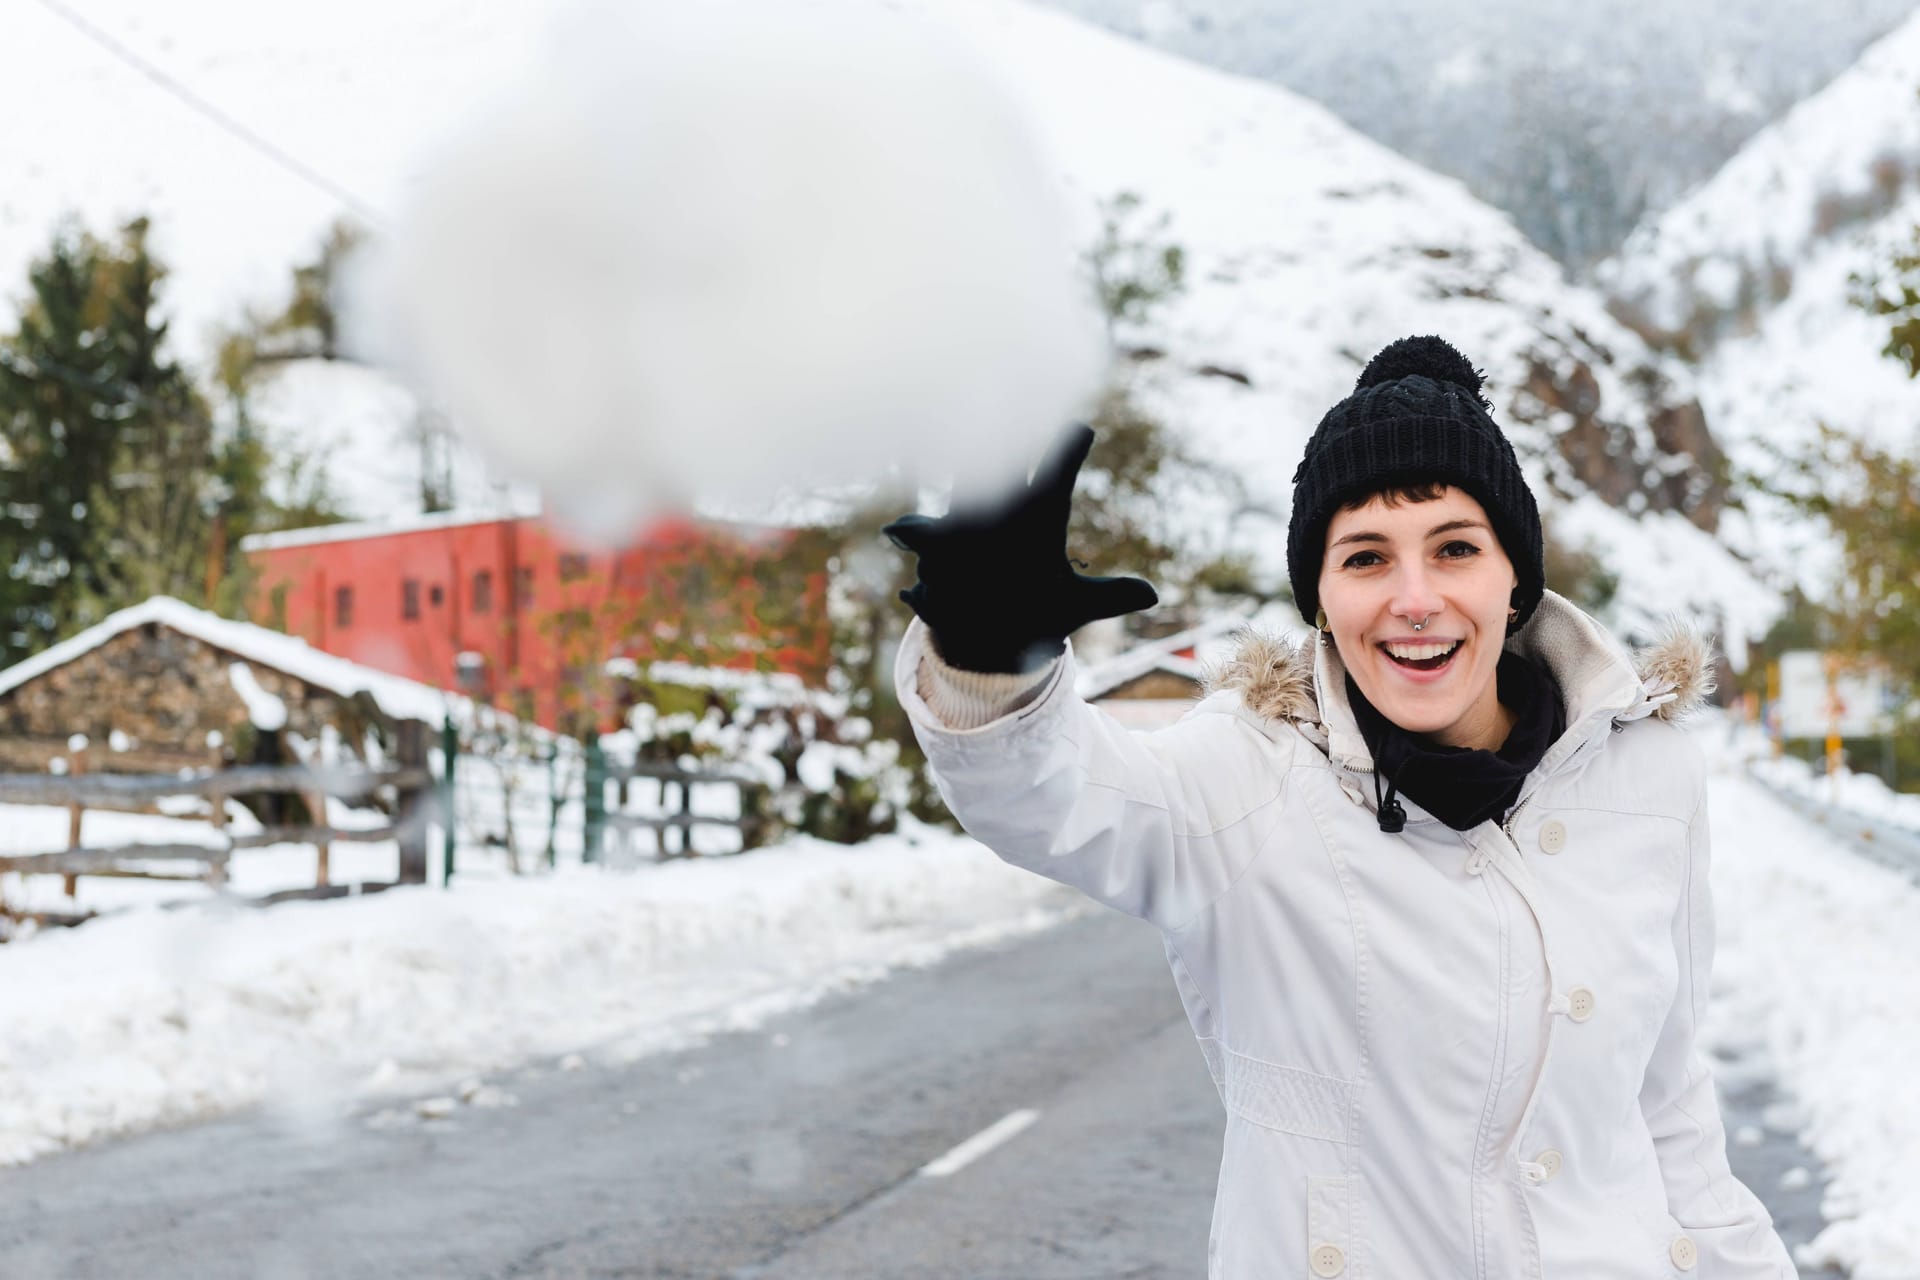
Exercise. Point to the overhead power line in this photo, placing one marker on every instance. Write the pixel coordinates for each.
(305, 172)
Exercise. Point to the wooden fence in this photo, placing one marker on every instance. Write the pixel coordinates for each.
(753, 822)
(79, 791)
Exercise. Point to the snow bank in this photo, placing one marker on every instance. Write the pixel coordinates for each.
(1860, 793)
(1818, 963)
(158, 1017)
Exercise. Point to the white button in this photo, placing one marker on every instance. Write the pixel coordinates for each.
(1683, 1253)
(1328, 1260)
(1579, 1004)
(1549, 1162)
(1553, 836)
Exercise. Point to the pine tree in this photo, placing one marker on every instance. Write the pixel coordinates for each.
(114, 483)
(61, 415)
(152, 520)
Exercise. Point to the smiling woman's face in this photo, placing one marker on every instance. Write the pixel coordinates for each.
(1389, 565)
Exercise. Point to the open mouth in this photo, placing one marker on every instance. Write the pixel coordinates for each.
(1422, 657)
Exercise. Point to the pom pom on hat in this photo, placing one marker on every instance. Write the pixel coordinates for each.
(1428, 356)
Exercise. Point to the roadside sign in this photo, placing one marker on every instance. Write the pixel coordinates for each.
(1825, 692)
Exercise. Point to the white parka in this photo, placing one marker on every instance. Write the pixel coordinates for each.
(1442, 1054)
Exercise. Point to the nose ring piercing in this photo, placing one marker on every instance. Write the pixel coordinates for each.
(1422, 624)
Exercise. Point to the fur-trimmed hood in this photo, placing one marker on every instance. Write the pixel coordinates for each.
(1278, 680)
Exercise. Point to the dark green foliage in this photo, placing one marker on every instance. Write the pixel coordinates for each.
(115, 483)
(110, 456)
(59, 413)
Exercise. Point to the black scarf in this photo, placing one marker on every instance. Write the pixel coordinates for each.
(1462, 786)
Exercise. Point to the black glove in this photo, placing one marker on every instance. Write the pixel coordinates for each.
(995, 585)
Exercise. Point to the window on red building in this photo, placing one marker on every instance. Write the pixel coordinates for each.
(523, 588)
(483, 591)
(410, 598)
(436, 595)
(573, 566)
(343, 606)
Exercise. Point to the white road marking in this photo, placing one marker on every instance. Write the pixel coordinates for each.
(979, 1144)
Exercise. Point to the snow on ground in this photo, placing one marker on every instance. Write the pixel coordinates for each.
(1861, 793)
(163, 1017)
(414, 997)
(1819, 967)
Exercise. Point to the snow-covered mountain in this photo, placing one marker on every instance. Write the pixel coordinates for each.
(1756, 274)
(1311, 246)
(1578, 119)
(1308, 245)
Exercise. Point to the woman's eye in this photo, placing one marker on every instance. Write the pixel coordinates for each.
(1458, 550)
(1362, 560)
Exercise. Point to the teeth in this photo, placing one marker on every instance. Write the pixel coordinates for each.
(1420, 652)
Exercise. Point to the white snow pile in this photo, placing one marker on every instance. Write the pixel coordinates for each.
(157, 1017)
(1864, 794)
(265, 710)
(1818, 967)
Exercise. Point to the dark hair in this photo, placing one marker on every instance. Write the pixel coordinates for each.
(1419, 491)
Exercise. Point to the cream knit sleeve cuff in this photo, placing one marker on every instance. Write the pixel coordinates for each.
(970, 699)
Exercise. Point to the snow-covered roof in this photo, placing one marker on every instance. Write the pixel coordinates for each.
(349, 531)
(398, 697)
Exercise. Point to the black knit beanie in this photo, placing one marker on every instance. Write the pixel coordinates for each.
(1416, 416)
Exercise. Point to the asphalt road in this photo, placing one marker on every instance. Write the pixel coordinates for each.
(793, 1151)
(790, 1151)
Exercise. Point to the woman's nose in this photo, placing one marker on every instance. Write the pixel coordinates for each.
(1414, 596)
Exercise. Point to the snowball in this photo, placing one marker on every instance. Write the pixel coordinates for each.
(118, 741)
(732, 252)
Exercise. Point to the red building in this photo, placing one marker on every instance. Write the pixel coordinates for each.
(517, 611)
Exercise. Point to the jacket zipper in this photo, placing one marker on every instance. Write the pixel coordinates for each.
(1506, 823)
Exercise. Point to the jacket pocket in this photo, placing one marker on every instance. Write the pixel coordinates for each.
(1285, 1099)
(1329, 1227)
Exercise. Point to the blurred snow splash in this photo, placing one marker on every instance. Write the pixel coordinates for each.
(737, 250)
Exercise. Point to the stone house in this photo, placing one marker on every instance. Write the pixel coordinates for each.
(163, 686)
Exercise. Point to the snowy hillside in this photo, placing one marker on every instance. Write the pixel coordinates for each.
(1755, 273)
(1577, 119)
(1309, 246)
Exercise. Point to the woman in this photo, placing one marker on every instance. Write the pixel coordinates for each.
(1433, 887)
